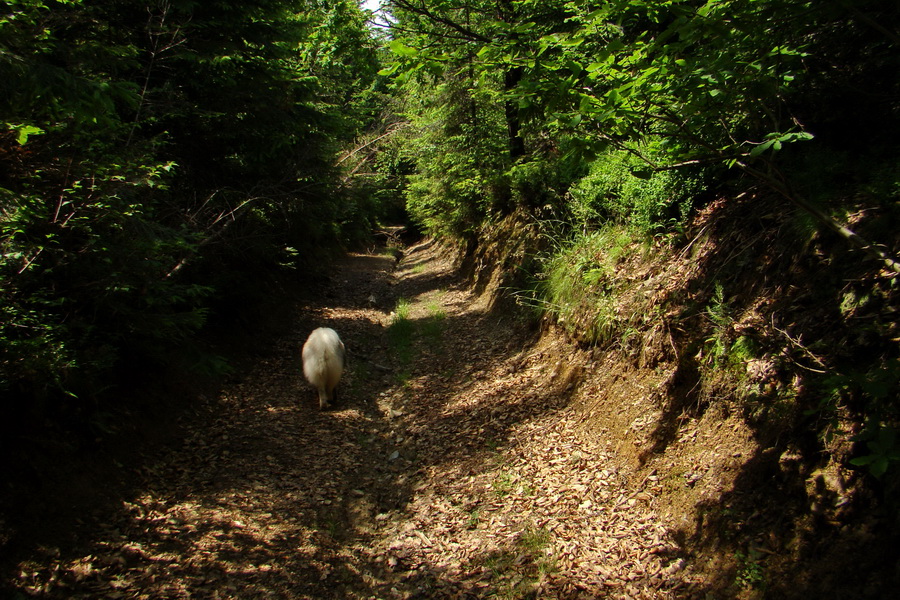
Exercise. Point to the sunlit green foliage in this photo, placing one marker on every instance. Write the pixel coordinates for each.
(668, 85)
(456, 145)
(579, 284)
(650, 203)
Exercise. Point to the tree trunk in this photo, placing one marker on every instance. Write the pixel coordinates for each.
(516, 143)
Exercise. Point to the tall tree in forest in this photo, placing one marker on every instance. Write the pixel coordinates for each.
(469, 53)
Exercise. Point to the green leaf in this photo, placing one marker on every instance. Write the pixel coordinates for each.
(24, 132)
(524, 27)
(398, 47)
(879, 466)
(389, 70)
(760, 148)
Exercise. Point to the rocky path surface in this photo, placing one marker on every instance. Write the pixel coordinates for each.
(451, 467)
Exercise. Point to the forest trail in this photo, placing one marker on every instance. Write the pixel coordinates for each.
(451, 467)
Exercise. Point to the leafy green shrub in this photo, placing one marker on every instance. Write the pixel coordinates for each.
(88, 275)
(725, 349)
(751, 572)
(619, 189)
(883, 450)
(449, 199)
(544, 178)
(458, 155)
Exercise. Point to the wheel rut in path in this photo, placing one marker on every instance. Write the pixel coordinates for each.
(451, 466)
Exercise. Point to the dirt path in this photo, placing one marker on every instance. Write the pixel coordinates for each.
(450, 468)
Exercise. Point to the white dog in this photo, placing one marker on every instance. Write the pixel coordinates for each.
(323, 362)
